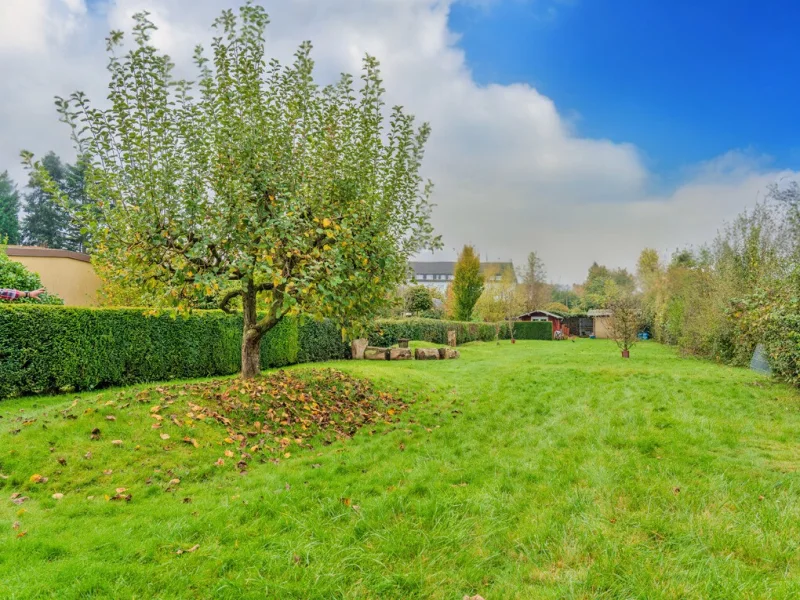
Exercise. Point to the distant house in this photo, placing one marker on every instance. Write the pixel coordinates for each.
(543, 315)
(601, 319)
(439, 274)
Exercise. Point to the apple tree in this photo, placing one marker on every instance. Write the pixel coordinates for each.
(252, 186)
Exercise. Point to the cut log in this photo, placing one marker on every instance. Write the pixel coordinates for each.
(450, 353)
(399, 354)
(426, 354)
(357, 348)
(374, 353)
(451, 338)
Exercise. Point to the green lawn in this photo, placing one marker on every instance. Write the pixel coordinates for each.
(535, 470)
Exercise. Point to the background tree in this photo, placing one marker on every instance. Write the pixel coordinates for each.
(46, 221)
(9, 211)
(602, 283)
(566, 295)
(557, 308)
(76, 236)
(256, 187)
(419, 299)
(537, 292)
(501, 301)
(467, 283)
(449, 306)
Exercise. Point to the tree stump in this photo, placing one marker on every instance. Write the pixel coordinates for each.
(447, 353)
(399, 354)
(426, 354)
(451, 338)
(374, 353)
(402, 343)
(357, 348)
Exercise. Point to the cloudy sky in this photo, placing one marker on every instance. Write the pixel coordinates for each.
(582, 129)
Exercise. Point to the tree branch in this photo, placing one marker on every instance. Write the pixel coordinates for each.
(223, 305)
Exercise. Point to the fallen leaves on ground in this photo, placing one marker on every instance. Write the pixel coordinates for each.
(58, 496)
(289, 408)
(192, 549)
(36, 478)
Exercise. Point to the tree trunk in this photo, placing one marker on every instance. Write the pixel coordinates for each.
(251, 338)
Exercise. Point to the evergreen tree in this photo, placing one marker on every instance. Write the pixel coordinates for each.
(9, 210)
(76, 236)
(45, 222)
(468, 283)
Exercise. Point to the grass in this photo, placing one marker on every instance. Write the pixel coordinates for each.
(533, 470)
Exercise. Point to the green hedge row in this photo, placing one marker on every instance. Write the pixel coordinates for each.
(47, 349)
(385, 333)
(533, 330)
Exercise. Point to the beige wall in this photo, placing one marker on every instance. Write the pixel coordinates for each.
(67, 274)
(602, 327)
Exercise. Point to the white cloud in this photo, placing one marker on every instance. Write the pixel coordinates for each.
(511, 174)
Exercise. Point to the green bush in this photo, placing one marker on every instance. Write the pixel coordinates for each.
(281, 345)
(533, 330)
(321, 341)
(386, 333)
(46, 349)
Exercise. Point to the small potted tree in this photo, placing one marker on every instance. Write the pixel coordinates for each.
(624, 322)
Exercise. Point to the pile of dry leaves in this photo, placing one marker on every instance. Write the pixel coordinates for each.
(272, 412)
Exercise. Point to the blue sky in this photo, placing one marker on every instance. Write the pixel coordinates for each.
(684, 81)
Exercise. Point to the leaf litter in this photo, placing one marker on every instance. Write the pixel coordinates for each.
(269, 414)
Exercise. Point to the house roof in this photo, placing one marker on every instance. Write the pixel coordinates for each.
(599, 312)
(449, 267)
(48, 252)
(541, 312)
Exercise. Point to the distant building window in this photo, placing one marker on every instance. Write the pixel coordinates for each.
(424, 277)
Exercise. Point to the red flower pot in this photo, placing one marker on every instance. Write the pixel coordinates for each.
(626, 354)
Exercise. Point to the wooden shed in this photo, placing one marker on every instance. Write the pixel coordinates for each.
(602, 323)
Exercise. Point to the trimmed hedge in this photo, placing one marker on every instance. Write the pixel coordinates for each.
(47, 349)
(533, 330)
(386, 333)
(321, 341)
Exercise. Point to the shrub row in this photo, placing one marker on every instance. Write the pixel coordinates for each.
(47, 349)
(385, 333)
(533, 330)
(50, 349)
